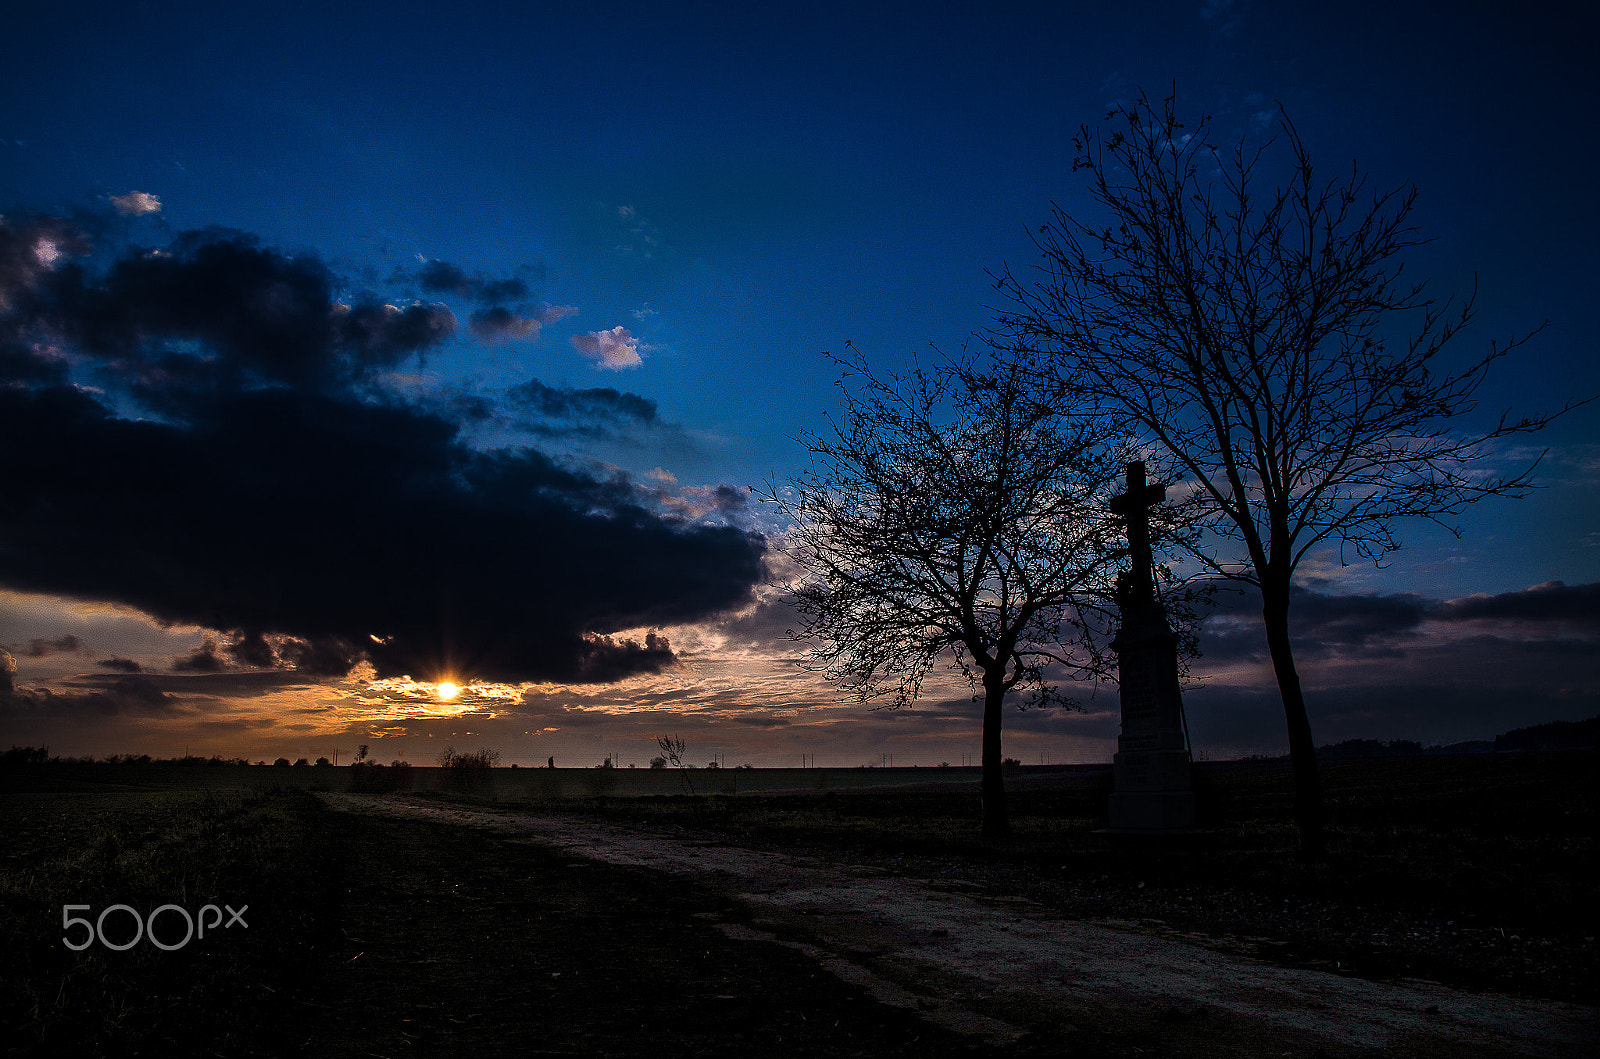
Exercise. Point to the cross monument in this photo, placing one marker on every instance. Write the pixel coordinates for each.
(1152, 792)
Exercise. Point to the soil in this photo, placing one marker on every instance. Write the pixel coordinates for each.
(584, 936)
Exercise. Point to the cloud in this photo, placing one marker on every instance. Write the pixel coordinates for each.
(1404, 666)
(204, 659)
(613, 350)
(1550, 603)
(607, 659)
(119, 696)
(1320, 625)
(213, 312)
(494, 321)
(441, 277)
(500, 324)
(225, 387)
(136, 203)
(125, 665)
(1325, 626)
(40, 648)
(597, 413)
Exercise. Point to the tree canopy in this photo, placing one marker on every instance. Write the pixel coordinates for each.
(1252, 336)
(950, 515)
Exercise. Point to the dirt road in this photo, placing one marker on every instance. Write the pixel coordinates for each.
(999, 969)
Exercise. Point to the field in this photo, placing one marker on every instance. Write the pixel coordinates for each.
(396, 936)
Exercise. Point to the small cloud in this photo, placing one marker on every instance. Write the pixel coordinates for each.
(123, 665)
(499, 324)
(613, 350)
(136, 203)
(205, 659)
(40, 647)
(441, 277)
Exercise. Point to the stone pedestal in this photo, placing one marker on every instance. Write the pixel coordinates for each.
(1151, 768)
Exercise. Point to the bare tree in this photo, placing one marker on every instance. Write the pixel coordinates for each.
(949, 516)
(672, 749)
(1248, 337)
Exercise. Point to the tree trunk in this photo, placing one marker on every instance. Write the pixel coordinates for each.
(996, 821)
(1308, 808)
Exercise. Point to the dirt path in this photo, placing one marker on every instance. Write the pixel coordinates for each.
(997, 970)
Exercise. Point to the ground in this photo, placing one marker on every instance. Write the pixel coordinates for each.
(1456, 918)
(979, 970)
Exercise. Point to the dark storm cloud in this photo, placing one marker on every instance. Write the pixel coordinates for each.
(1372, 626)
(606, 659)
(121, 696)
(278, 490)
(125, 665)
(252, 649)
(1550, 603)
(31, 367)
(1319, 625)
(214, 311)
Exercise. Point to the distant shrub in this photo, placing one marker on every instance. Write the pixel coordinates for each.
(466, 770)
(282, 763)
(24, 755)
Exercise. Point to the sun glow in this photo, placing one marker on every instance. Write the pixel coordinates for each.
(448, 691)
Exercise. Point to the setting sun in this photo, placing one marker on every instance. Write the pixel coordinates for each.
(448, 690)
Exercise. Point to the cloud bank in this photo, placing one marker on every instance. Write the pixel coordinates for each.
(204, 431)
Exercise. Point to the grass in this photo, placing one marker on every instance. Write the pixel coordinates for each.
(146, 849)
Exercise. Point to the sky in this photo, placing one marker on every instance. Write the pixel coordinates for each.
(350, 349)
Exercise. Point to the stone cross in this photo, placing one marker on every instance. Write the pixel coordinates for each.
(1152, 792)
(1133, 505)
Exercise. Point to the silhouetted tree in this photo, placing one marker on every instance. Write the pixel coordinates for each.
(672, 748)
(1246, 335)
(950, 516)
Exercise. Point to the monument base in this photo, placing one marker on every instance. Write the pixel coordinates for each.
(1165, 769)
(1151, 811)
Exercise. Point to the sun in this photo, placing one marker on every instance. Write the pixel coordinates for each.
(448, 691)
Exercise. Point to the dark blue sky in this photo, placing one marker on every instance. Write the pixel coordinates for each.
(737, 188)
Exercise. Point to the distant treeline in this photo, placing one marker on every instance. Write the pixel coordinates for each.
(1373, 748)
(1556, 735)
(39, 755)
